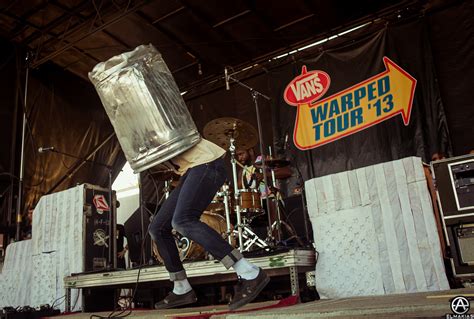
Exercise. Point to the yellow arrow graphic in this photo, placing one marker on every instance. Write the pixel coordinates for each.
(365, 104)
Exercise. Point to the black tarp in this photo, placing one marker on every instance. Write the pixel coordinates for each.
(66, 113)
(407, 44)
(436, 49)
(451, 33)
(63, 112)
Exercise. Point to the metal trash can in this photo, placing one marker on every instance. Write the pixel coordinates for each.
(145, 107)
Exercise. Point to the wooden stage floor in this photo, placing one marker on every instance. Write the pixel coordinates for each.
(427, 305)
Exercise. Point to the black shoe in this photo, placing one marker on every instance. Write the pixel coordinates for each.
(248, 290)
(173, 300)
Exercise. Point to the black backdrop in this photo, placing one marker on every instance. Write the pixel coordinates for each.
(451, 33)
(437, 49)
(350, 63)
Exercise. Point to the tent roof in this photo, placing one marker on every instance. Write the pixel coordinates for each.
(196, 38)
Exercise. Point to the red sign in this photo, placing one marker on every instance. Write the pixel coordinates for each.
(100, 203)
(307, 87)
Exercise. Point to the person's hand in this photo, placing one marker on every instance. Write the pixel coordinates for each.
(121, 254)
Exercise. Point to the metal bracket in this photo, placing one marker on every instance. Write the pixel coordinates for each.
(295, 289)
(68, 300)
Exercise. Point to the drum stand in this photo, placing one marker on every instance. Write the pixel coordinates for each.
(236, 192)
(255, 94)
(277, 223)
(243, 230)
(251, 239)
(225, 194)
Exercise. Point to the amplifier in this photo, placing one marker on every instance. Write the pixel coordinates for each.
(99, 228)
(461, 243)
(454, 180)
(465, 243)
(462, 180)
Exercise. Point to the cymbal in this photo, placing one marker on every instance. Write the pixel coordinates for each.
(219, 131)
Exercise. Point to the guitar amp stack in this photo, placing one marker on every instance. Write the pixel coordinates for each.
(454, 181)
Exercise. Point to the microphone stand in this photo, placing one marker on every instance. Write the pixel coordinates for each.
(22, 152)
(255, 94)
(112, 250)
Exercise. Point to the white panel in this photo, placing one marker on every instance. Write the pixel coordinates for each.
(391, 220)
(347, 263)
(409, 225)
(354, 189)
(342, 191)
(43, 279)
(430, 223)
(34, 270)
(321, 198)
(311, 200)
(16, 274)
(363, 187)
(388, 230)
(328, 193)
(376, 211)
(393, 190)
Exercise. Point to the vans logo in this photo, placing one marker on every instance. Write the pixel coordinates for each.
(307, 87)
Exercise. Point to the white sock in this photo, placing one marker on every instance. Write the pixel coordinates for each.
(181, 287)
(246, 270)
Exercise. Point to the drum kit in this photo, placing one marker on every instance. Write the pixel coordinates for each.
(234, 208)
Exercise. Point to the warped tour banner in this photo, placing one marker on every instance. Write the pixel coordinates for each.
(373, 98)
(365, 104)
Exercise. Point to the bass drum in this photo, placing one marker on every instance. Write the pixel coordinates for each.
(188, 249)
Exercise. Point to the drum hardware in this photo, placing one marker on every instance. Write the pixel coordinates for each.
(233, 133)
(236, 192)
(226, 194)
(255, 95)
(251, 239)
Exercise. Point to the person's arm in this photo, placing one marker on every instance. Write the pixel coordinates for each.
(283, 172)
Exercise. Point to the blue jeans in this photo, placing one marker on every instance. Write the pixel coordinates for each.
(182, 211)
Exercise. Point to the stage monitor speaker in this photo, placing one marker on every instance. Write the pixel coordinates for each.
(99, 217)
(298, 218)
(133, 232)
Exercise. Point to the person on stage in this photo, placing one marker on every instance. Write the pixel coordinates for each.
(251, 177)
(202, 174)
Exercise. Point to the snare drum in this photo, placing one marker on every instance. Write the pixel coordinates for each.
(250, 201)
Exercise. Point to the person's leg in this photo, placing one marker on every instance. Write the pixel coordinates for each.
(161, 233)
(197, 192)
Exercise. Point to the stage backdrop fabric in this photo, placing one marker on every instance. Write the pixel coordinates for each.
(353, 62)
